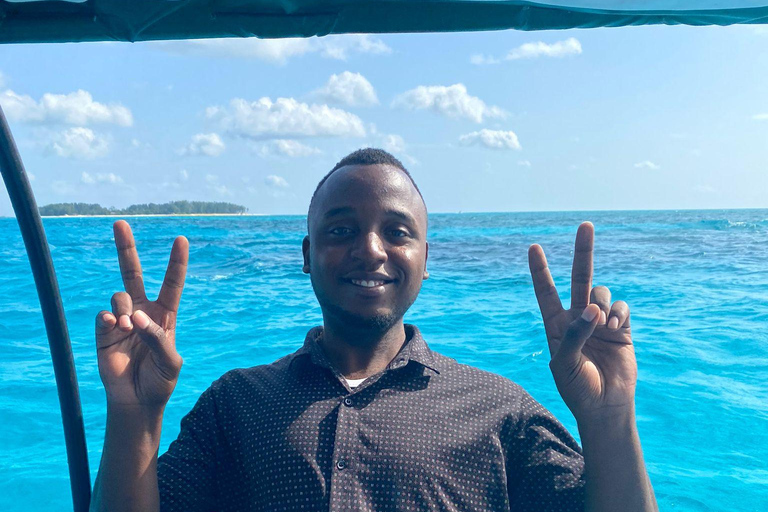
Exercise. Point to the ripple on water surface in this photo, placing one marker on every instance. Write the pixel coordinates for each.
(697, 286)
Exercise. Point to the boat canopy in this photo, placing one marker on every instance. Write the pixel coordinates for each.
(30, 21)
(57, 21)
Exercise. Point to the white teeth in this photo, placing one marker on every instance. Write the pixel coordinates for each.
(367, 284)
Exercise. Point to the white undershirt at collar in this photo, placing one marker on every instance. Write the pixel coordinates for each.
(353, 383)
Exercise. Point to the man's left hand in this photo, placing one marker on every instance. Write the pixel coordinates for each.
(593, 359)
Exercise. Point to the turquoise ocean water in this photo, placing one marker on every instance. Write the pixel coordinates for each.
(696, 281)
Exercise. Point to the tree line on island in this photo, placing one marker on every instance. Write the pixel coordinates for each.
(172, 208)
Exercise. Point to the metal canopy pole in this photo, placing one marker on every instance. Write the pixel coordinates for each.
(39, 254)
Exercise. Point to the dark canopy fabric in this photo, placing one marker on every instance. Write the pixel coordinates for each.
(24, 21)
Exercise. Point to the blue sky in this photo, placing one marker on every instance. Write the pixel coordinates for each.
(631, 118)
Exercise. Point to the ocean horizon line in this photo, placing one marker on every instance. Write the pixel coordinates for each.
(458, 212)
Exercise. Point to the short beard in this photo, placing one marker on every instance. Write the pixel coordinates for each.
(377, 323)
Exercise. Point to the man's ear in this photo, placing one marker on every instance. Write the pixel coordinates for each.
(426, 255)
(305, 251)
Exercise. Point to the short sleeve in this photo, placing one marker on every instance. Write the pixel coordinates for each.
(546, 466)
(186, 472)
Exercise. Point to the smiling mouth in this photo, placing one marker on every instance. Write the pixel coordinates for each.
(368, 284)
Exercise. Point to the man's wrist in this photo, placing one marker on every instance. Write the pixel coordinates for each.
(135, 410)
(139, 423)
(608, 423)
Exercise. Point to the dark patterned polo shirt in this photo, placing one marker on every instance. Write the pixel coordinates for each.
(427, 433)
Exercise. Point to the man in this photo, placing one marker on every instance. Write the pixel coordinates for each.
(364, 416)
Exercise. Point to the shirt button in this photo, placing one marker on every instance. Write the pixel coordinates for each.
(341, 464)
(348, 402)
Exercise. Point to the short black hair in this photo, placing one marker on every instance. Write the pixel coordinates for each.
(364, 156)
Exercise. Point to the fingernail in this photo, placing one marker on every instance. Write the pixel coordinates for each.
(613, 323)
(141, 319)
(125, 322)
(589, 314)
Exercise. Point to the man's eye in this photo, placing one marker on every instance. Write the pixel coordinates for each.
(340, 231)
(399, 233)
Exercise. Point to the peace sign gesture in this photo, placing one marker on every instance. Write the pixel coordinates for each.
(593, 359)
(136, 341)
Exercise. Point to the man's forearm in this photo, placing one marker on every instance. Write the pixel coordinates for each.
(127, 479)
(616, 478)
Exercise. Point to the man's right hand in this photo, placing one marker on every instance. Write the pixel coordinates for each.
(136, 341)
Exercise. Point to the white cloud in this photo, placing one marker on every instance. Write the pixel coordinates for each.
(452, 101)
(760, 117)
(212, 181)
(647, 164)
(393, 143)
(264, 118)
(396, 145)
(524, 163)
(341, 46)
(570, 46)
(480, 59)
(176, 182)
(80, 143)
(20, 107)
(287, 147)
(91, 179)
(279, 51)
(76, 108)
(351, 89)
(275, 181)
(31, 176)
(493, 139)
(208, 144)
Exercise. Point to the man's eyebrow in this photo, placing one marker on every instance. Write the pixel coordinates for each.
(402, 215)
(333, 212)
(344, 210)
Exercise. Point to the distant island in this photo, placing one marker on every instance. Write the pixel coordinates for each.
(172, 208)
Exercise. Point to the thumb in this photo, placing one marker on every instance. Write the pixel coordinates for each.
(577, 334)
(154, 336)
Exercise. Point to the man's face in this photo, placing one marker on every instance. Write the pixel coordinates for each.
(366, 252)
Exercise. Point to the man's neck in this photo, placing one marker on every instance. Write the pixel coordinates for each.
(360, 353)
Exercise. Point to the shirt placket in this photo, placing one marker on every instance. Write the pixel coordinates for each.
(345, 479)
(346, 493)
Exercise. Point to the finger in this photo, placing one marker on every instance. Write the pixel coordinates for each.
(577, 334)
(154, 336)
(105, 322)
(602, 297)
(619, 315)
(122, 308)
(130, 267)
(543, 285)
(173, 284)
(581, 273)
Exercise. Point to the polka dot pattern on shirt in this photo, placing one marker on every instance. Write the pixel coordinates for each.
(427, 433)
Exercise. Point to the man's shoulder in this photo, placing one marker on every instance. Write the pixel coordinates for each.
(465, 375)
(265, 376)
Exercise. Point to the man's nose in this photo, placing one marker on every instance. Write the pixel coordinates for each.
(370, 249)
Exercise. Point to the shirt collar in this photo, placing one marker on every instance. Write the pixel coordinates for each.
(415, 349)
